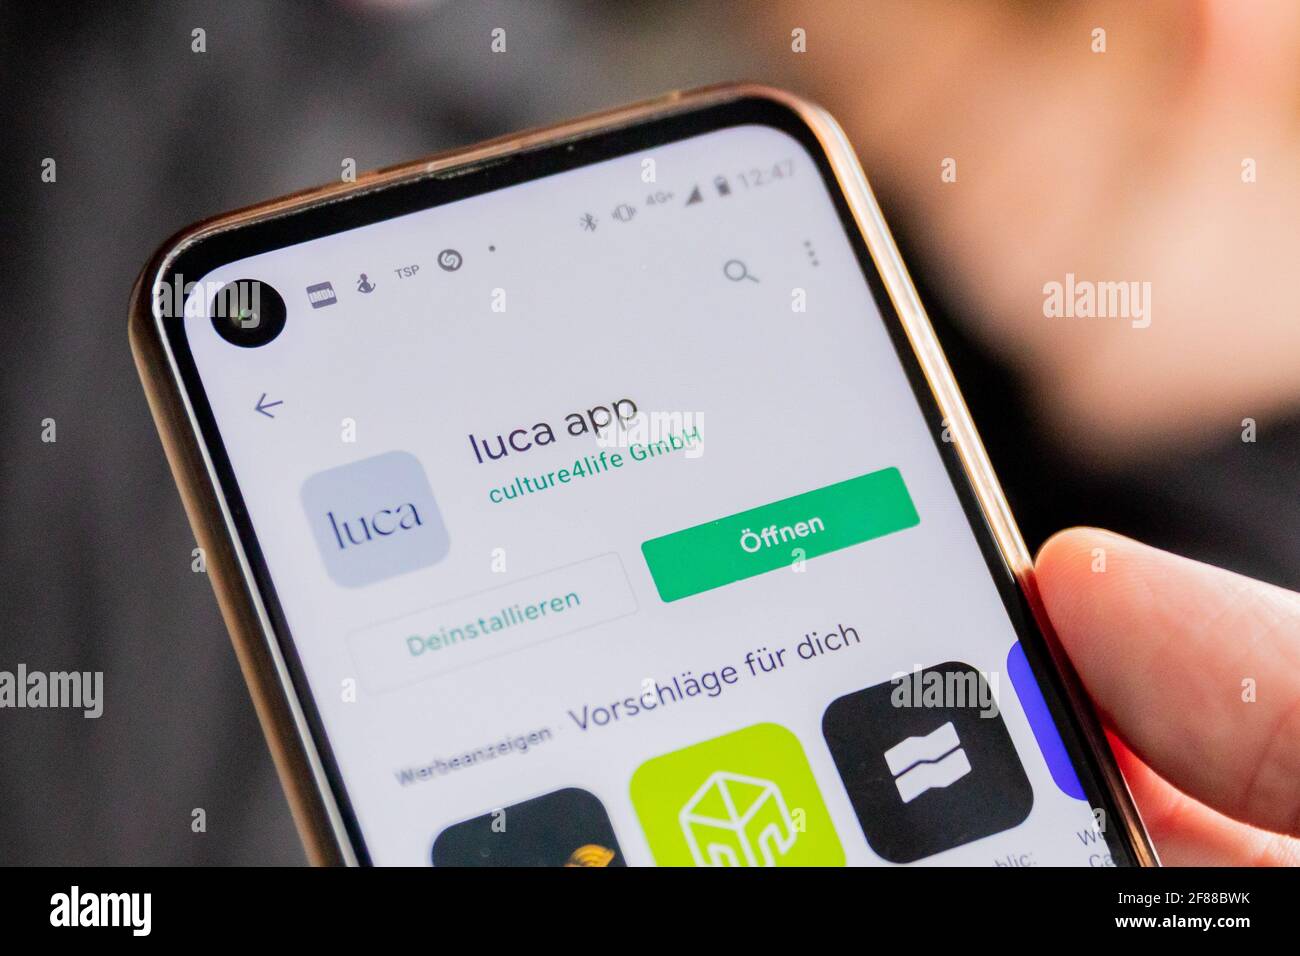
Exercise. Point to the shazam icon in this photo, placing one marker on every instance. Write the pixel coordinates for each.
(449, 260)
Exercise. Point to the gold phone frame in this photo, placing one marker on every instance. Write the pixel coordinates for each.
(297, 759)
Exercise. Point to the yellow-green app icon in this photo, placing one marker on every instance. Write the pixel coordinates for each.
(744, 799)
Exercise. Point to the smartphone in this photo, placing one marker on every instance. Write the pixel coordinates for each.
(600, 496)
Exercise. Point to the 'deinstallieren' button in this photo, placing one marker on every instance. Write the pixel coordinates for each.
(763, 539)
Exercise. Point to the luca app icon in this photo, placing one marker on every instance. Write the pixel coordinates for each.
(375, 518)
(927, 762)
(744, 799)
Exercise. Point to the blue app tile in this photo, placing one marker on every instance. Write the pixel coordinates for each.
(1044, 727)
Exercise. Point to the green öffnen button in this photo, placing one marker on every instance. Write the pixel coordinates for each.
(763, 539)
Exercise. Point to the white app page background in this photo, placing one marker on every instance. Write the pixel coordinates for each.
(786, 401)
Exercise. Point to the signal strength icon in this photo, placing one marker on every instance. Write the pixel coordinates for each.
(694, 197)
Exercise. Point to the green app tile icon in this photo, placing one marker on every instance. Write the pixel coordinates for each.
(744, 799)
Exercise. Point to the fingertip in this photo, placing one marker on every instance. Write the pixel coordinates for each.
(1069, 543)
(1070, 574)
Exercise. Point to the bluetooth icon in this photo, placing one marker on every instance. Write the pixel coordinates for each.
(588, 222)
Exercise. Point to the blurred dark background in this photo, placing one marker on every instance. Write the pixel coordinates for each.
(1067, 161)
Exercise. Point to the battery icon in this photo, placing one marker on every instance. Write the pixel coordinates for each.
(723, 187)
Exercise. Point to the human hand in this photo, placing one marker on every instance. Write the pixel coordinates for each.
(1170, 650)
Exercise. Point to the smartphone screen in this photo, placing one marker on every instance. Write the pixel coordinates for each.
(603, 523)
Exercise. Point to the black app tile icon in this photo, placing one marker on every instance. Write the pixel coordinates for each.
(927, 762)
(565, 828)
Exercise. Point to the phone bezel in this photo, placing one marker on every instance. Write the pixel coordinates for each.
(179, 399)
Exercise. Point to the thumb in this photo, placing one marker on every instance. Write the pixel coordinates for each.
(1196, 668)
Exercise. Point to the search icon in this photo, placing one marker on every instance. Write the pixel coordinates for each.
(735, 270)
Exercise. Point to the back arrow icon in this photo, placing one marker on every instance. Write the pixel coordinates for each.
(263, 405)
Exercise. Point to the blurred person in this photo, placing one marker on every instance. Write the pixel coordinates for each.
(1165, 150)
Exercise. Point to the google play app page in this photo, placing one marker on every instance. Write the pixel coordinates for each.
(607, 531)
